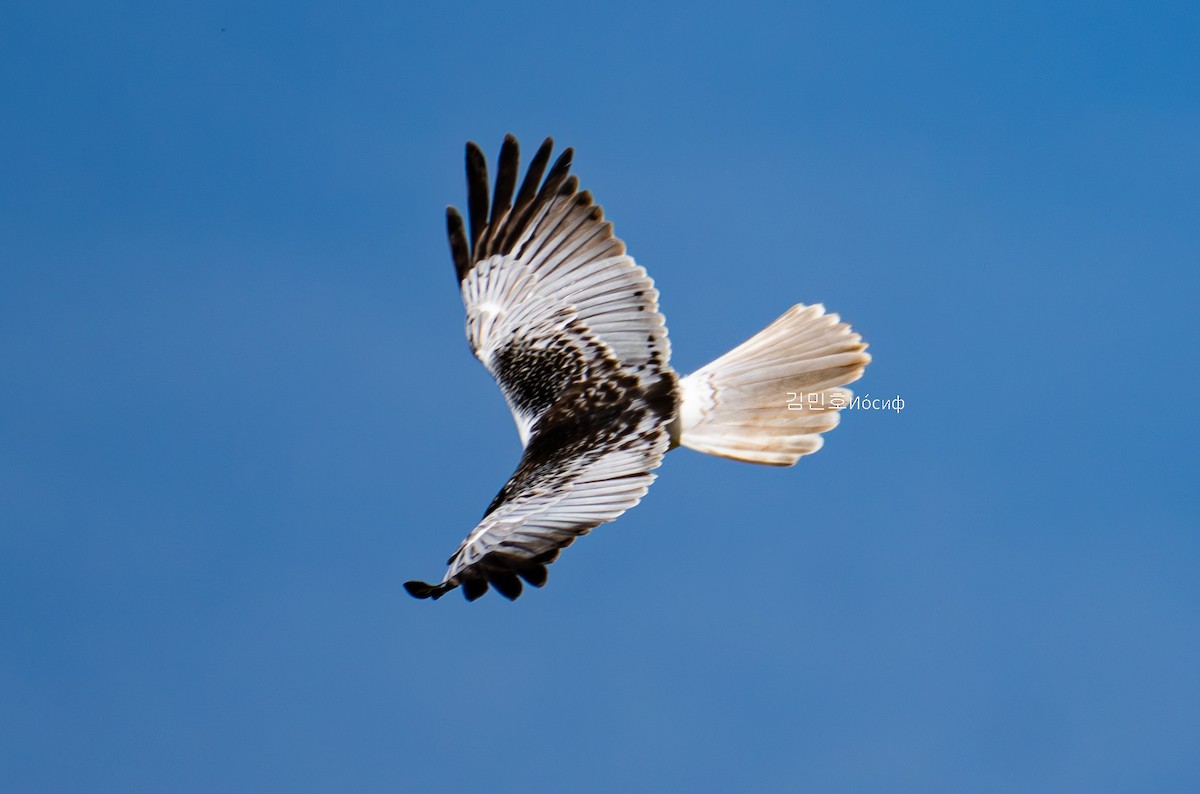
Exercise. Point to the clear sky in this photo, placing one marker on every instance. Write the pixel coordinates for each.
(237, 409)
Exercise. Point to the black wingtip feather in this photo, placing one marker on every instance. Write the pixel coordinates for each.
(425, 590)
(477, 192)
(474, 588)
(558, 172)
(506, 583)
(535, 574)
(523, 206)
(533, 177)
(569, 186)
(508, 166)
(459, 249)
(506, 182)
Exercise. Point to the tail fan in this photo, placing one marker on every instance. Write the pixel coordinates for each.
(769, 399)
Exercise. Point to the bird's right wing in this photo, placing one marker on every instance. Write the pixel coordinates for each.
(593, 462)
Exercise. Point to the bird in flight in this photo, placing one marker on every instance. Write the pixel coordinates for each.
(569, 326)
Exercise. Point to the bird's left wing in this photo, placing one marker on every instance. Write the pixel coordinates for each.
(592, 460)
(535, 258)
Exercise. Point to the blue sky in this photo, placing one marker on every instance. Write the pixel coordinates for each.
(237, 409)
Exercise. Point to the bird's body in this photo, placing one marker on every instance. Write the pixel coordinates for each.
(569, 327)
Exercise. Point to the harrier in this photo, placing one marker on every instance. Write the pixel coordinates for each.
(569, 327)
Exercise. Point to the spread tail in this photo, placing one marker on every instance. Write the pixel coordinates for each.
(769, 399)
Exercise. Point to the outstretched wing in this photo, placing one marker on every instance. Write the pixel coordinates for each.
(569, 327)
(537, 261)
(591, 460)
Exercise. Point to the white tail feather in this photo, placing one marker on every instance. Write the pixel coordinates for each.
(769, 399)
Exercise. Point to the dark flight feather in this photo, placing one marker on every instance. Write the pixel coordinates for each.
(477, 195)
